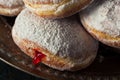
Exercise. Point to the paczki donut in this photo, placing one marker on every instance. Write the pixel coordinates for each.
(62, 44)
(11, 7)
(56, 8)
(103, 21)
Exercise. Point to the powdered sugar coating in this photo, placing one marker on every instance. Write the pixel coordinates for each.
(105, 17)
(62, 37)
(11, 3)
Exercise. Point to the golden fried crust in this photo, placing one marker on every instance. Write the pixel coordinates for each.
(62, 9)
(51, 60)
(10, 11)
(46, 1)
(11, 8)
(101, 36)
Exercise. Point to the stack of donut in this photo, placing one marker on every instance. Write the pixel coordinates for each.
(49, 31)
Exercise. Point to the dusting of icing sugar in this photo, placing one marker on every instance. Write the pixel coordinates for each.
(64, 6)
(105, 17)
(62, 37)
(11, 3)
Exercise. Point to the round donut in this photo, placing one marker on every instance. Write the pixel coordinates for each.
(103, 21)
(56, 8)
(11, 7)
(65, 44)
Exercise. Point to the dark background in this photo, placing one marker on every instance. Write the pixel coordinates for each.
(9, 73)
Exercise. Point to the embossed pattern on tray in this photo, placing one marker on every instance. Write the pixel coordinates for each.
(105, 67)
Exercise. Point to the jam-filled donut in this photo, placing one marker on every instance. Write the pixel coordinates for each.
(11, 7)
(56, 8)
(103, 21)
(61, 44)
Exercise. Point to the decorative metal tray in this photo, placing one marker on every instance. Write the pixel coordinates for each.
(105, 67)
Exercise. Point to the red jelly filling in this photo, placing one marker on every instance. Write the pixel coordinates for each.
(38, 57)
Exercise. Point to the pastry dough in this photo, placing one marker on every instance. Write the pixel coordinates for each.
(65, 43)
(103, 21)
(56, 8)
(11, 7)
